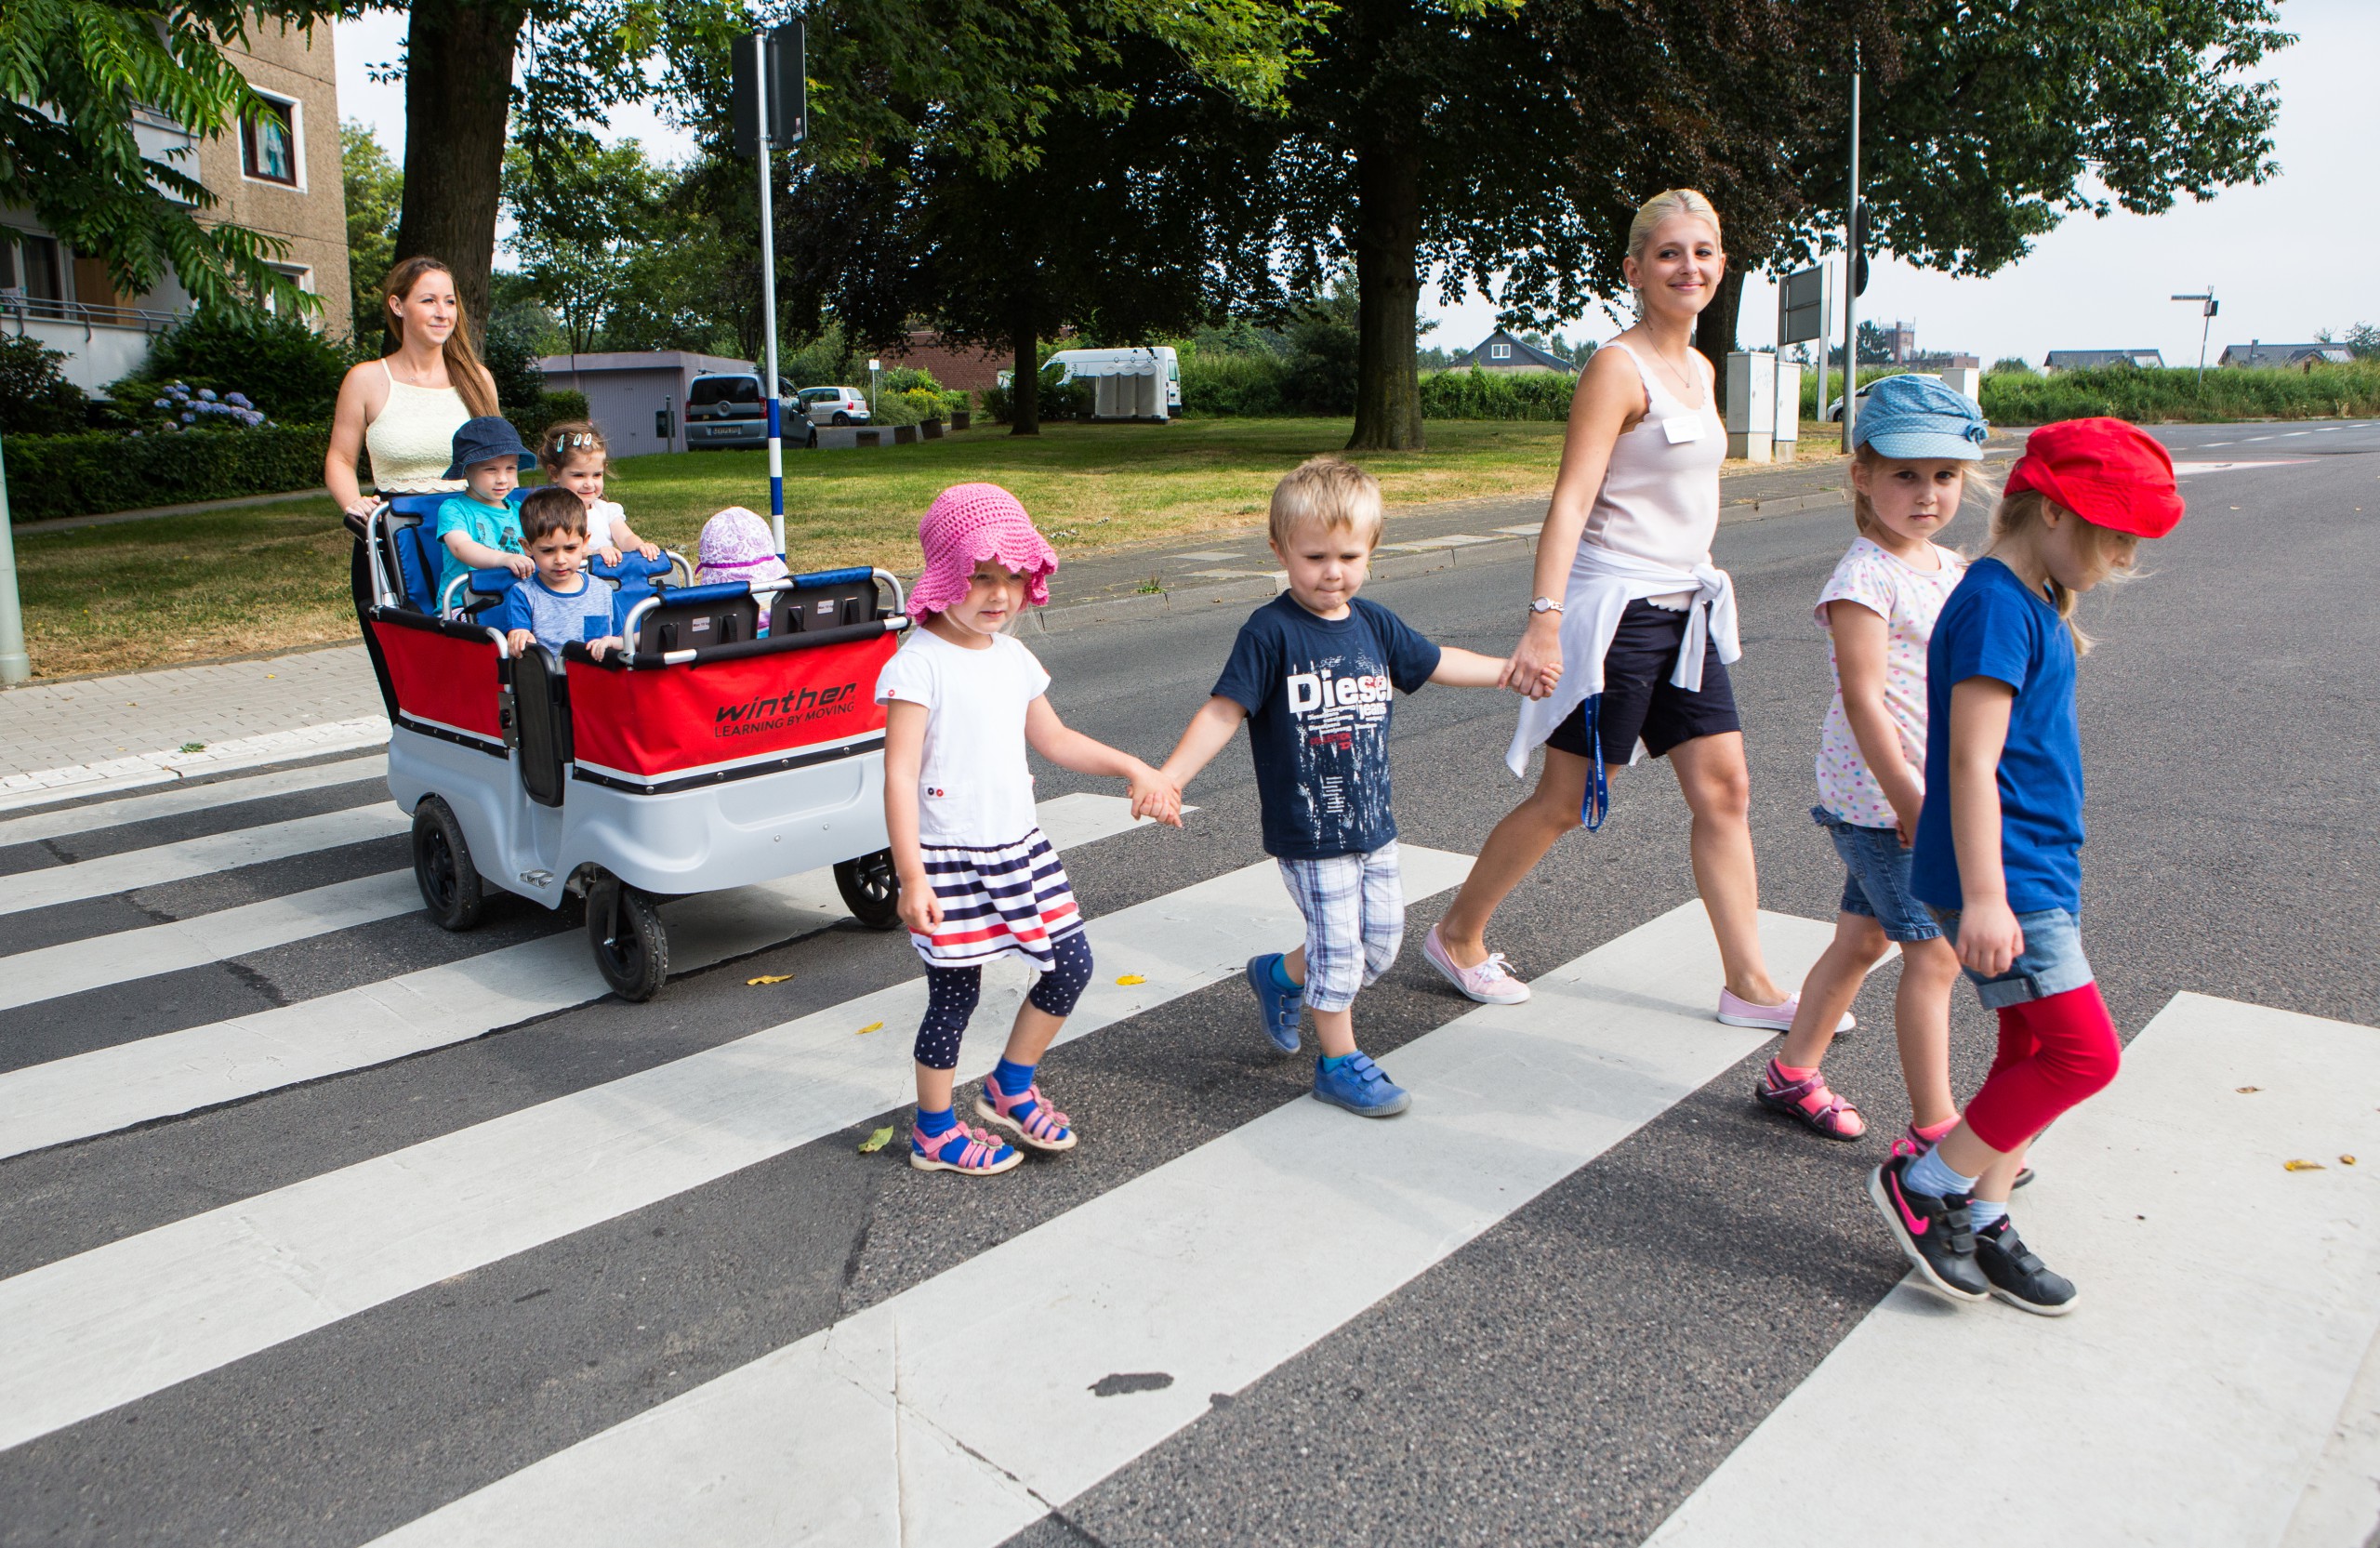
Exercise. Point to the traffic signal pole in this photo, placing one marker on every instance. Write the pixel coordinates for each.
(762, 79)
(1851, 269)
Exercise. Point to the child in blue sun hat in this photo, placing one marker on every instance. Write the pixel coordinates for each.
(480, 528)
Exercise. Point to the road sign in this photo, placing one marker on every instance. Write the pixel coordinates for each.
(1801, 306)
(788, 100)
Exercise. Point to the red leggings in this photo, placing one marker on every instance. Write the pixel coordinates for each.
(2054, 1053)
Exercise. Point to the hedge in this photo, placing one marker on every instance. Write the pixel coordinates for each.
(1477, 395)
(99, 471)
(2175, 393)
(551, 408)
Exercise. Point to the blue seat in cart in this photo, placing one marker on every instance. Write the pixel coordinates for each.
(419, 555)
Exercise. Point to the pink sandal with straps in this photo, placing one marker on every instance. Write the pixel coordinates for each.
(970, 1152)
(1809, 1102)
(1043, 1129)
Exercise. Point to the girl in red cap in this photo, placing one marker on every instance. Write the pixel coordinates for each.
(1999, 843)
(963, 699)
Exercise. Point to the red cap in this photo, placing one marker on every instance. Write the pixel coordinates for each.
(2110, 474)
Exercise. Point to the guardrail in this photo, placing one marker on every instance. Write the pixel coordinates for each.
(25, 309)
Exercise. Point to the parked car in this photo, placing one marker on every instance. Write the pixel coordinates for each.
(725, 409)
(1834, 409)
(833, 405)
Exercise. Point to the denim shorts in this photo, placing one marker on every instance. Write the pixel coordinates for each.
(1875, 883)
(2051, 963)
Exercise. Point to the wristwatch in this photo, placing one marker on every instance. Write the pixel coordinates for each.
(1545, 604)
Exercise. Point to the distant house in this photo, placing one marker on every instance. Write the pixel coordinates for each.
(2259, 356)
(960, 367)
(2088, 360)
(1500, 351)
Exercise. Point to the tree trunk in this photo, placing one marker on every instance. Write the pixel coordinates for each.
(1388, 295)
(458, 90)
(1025, 385)
(1714, 335)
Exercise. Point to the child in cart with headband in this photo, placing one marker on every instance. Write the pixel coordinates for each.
(963, 699)
(2000, 839)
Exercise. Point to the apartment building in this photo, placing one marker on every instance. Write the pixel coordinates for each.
(278, 173)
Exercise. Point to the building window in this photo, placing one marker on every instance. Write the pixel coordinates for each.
(30, 268)
(297, 274)
(268, 143)
(1500, 351)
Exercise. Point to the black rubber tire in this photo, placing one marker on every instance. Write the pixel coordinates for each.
(441, 867)
(631, 945)
(870, 889)
(842, 418)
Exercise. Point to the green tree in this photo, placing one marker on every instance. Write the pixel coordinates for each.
(72, 74)
(375, 190)
(583, 225)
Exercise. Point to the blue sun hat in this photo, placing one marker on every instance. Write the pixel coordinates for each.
(1913, 417)
(485, 440)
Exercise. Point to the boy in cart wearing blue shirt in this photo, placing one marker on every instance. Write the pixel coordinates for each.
(559, 601)
(1314, 674)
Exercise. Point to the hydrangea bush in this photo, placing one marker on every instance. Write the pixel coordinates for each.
(183, 407)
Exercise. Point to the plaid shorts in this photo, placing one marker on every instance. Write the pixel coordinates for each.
(1354, 921)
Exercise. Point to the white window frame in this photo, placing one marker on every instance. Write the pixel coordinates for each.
(1500, 351)
(296, 112)
(298, 273)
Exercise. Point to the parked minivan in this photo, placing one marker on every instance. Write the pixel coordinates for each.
(725, 409)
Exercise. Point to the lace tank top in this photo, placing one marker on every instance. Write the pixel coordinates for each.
(1659, 500)
(413, 441)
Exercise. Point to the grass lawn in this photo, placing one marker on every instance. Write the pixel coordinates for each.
(190, 588)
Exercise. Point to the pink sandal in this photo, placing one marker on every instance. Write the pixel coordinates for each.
(1809, 1103)
(1042, 1126)
(970, 1152)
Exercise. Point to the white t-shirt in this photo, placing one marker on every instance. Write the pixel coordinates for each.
(1908, 599)
(973, 786)
(599, 517)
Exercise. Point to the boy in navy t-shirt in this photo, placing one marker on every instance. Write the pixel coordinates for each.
(1314, 674)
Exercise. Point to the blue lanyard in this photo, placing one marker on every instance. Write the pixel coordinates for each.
(1594, 801)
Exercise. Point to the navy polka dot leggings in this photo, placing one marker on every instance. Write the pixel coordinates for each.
(951, 993)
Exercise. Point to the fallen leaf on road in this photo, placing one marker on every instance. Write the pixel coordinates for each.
(2303, 1166)
(1131, 978)
(2346, 1160)
(876, 1141)
(2245, 1089)
(871, 1027)
(771, 978)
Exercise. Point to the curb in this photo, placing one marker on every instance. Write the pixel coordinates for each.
(45, 786)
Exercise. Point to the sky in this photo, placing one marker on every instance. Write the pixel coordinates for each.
(2285, 258)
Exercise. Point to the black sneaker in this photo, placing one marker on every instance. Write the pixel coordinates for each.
(2017, 1275)
(1934, 1233)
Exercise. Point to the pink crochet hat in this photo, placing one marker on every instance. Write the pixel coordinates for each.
(968, 524)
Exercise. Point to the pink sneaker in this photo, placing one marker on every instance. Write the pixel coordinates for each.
(1768, 1018)
(1490, 983)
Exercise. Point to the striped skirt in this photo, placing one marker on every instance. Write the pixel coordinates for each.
(999, 898)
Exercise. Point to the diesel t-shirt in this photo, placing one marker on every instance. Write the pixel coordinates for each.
(1318, 692)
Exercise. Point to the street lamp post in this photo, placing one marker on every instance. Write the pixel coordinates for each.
(1854, 240)
(15, 665)
(2208, 307)
(873, 366)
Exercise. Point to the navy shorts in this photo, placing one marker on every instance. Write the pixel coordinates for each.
(1876, 878)
(1640, 700)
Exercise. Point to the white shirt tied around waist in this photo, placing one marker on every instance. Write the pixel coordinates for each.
(1602, 582)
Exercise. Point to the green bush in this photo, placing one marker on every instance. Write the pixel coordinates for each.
(1235, 386)
(1067, 401)
(550, 409)
(284, 367)
(100, 470)
(1477, 395)
(2175, 393)
(35, 397)
(511, 357)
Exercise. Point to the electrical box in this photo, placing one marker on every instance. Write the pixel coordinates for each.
(1751, 405)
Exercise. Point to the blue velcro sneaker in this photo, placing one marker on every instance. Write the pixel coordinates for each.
(1361, 1086)
(1913, 418)
(1279, 1008)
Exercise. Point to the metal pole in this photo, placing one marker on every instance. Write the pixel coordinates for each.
(2205, 325)
(15, 665)
(1851, 269)
(1823, 310)
(760, 83)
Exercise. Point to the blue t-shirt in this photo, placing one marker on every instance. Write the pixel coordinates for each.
(1994, 627)
(590, 613)
(1317, 692)
(498, 526)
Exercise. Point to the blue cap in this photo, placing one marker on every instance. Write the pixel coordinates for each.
(485, 440)
(1914, 417)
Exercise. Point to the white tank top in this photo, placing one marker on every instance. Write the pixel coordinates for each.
(1659, 500)
(413, 441)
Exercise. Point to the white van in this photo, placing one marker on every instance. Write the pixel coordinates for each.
(1159, 361)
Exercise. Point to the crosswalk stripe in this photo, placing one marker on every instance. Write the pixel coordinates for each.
(180, 802)
(1210, 1270)
(2226, 1305)
(95, 961)
(84, 1334)
(217, 852)
(177, 1072)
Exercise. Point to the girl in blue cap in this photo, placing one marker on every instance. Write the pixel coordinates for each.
(1915, 441)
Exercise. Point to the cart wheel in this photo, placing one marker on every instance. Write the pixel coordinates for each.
(631, 945)
(870, 889)
(442, 864)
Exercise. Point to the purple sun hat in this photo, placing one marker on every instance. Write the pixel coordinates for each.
(737, 546)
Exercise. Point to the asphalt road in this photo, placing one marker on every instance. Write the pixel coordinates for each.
(1569, 1376)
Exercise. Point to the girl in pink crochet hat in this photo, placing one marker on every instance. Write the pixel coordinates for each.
(963, 700)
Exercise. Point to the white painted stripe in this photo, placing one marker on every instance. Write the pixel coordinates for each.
(2227, 1303)
(1213, 1269)
(200, 1067)
(194, 797)
(81, 1335)
(44, 787)
(95, 961)
(217, 852)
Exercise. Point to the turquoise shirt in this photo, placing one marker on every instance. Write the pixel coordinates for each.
(497, 526)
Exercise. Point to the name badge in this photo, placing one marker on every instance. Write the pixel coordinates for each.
(1682, 428)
